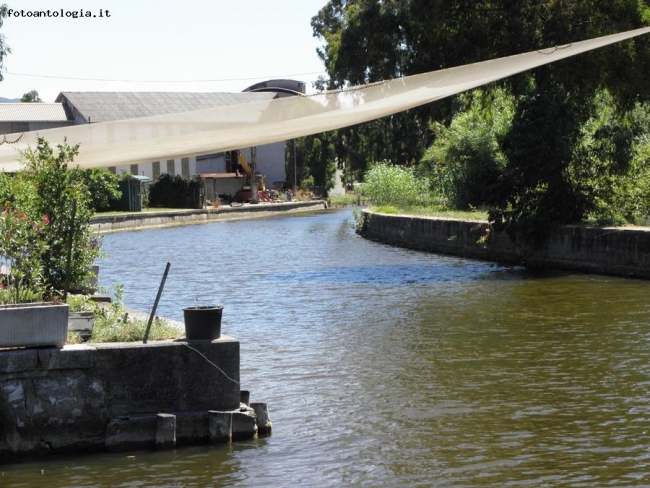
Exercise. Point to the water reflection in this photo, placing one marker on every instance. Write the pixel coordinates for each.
(386, 367)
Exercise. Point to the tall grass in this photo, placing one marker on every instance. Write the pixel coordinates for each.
(396, 186)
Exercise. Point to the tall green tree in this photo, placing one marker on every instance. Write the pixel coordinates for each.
(4, 48)
(370, 40)
(31, 97)
(364, 43)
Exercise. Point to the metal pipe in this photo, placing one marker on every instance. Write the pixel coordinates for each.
(155, 305)
(69, 259)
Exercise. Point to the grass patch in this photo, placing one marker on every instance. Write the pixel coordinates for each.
(144, 210)
(113, 323)
(433, 212)
(114, 329)
(347, 200)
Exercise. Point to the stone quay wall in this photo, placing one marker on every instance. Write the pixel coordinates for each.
(170, 218)
(607, 251)
(119, 396)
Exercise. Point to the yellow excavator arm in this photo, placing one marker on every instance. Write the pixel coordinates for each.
(244, 164)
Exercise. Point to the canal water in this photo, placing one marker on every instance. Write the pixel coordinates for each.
(387, 367)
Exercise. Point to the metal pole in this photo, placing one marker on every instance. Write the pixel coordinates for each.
(295, 171)
(155, 305)
(69, 260)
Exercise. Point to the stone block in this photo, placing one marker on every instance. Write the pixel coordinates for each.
(220, 426)
(244, 397)
(244, 424)
(136, 432)
(69, 357)
(18, 360)
(263, 420)
(165, 431)
(192, 427)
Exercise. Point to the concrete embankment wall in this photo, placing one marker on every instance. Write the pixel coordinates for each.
(168, 218)
(610, 251)
(119, 396)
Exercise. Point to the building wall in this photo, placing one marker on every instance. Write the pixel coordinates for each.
(213, 163)
(271, 162)
(16, 127)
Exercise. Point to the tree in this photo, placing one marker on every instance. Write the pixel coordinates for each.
(466, 162)
(4, 48)
(314, 157)
(48, 188)
(370, 40)
(31, 97)
(104, 187)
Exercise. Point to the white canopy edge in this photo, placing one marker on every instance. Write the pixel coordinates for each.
(232, 127)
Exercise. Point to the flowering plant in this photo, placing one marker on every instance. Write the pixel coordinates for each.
(21, 247)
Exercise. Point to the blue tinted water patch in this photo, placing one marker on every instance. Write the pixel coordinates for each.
(402, 274)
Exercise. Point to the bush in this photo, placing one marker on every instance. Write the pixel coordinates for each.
(386, 184)
(104, 188)
(113, 324)
(466, 162)
(48, 189)
(169, 191)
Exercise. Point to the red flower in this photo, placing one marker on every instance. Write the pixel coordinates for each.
(46, 219)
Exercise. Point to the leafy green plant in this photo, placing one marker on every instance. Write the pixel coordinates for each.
(104, 188)
(466, 161)
(21, 245)
(114, 324)
(169, 191)
(80, 303)
(387, 184)
(307, 183)
(48, 187)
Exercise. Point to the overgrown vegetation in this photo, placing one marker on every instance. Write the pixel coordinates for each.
(49, 188)
(599, 175)
(386, 184)
(114, 324)
(564, 143)
(42, 248)
(104, 188)
(466, 162)
(174, 191)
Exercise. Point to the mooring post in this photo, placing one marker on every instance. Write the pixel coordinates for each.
(264, 424)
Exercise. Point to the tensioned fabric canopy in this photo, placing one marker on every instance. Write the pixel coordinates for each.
(251, 124)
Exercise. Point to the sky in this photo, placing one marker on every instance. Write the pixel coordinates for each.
(157, 45)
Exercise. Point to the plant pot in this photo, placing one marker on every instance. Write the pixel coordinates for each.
(82, 323)
(33, 324)
(203, 323)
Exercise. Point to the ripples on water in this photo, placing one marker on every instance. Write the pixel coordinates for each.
(386, 367)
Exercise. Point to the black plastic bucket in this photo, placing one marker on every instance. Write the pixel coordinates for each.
(203, 323)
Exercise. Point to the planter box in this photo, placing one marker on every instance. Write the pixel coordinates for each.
(33, 324)
(82, 323)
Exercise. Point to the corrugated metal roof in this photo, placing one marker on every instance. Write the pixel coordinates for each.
(107, 106)
(32, 112)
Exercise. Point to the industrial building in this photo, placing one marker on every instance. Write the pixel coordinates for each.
(224, 169)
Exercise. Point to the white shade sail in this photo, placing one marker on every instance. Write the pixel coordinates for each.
(251, 124)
